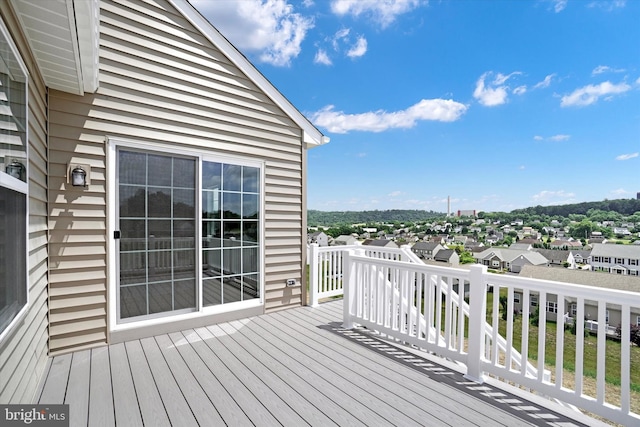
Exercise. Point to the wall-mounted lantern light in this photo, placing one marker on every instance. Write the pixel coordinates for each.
(78, 174)
(78, 177)
(16, 170)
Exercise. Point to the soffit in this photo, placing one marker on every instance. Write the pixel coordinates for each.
(63, 37)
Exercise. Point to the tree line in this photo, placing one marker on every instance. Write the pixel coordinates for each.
(606, 210)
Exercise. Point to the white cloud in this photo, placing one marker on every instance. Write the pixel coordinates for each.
(559, 138)
(338, 37)
(378, 121)
(383, 12)
(522, 167)
(590, 94)
(270, 28)
(620, 192)
(322, 58)
(395, 194)
(342, 42)
(600, 69)
(552, 197)
(520, 90)
(627, 156)
(554, 138)
(558, 5)
(608, 5)
(494, 93)
(545, 83)
(502, 78)
(358, 49)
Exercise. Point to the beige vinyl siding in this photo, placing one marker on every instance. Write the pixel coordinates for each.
(161, 81)
(23, 353)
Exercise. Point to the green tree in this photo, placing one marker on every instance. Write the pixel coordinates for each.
(582, 230)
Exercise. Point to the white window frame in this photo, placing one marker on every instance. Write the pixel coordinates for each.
(200, 154)
(552, 307)
(516, 298)
(14, 184)
(533, 300)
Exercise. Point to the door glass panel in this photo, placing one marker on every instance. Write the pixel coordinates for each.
(231, 274)
(157, 217)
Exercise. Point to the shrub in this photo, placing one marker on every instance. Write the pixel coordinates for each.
(634, 333)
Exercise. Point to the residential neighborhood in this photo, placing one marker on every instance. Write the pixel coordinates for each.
(505, 246)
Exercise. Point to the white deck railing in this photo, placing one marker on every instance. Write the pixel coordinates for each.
(416, 303)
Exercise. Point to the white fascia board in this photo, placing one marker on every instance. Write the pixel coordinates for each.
(87, 19)
(311, 135)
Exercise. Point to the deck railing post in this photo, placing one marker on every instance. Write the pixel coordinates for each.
(477, 322)
(314, 268)
(349, 288)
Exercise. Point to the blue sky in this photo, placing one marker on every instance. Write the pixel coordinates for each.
(498, 104)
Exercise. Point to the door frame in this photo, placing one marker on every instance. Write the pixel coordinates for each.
(202, 315)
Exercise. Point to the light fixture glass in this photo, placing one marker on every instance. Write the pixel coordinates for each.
(15, 169)
(78, 177)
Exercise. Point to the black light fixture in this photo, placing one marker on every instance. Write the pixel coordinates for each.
(78, 177)
(16, 169)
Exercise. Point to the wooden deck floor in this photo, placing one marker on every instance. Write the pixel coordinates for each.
(292, 368)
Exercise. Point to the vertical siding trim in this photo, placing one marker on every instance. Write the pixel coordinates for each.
(23, 351)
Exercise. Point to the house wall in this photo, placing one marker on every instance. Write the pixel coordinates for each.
(23, 353)
(161, 81)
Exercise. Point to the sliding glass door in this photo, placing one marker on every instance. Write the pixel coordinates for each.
(157, 234)
(188, 233)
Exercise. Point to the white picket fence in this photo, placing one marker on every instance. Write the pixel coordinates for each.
(390, 291)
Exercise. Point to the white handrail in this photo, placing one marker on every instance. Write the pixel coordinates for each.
(405, 300)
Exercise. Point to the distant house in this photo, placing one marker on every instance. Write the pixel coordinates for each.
(345, 239)
(521, 246)
(597, 239)
(426, 250)
(565, 244)
(581, 256)
(621, 231)
(318, 237)
(448, 256)
(382, 243)
(568, 308)
(502, 259)
(616, 259)
(557, 257)
(460, 240)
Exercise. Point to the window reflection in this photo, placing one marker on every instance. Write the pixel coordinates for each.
(230, 274)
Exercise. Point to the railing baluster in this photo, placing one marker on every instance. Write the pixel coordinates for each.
(579, 327)
(524, 348)
(559, 340)
(625, 360)
(314, 262)
(602, 352)
(509, 354)
(495, 356)
(447, 314)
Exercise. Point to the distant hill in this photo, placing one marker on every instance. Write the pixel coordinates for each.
(622, 206)
(357, 217)
(315, 217)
